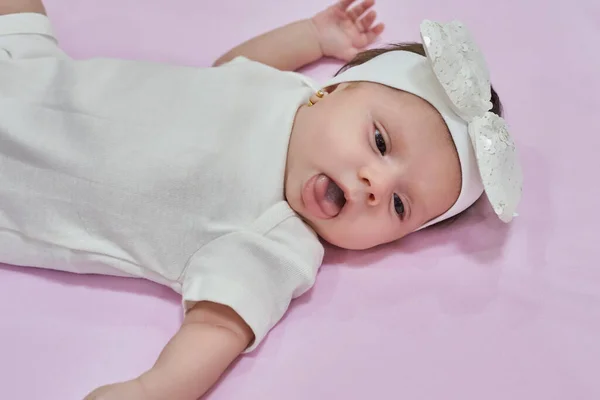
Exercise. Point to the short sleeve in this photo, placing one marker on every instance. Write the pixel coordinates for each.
(256, 274)
(27, 35)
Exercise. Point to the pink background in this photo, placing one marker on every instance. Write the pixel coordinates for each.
(475, 311)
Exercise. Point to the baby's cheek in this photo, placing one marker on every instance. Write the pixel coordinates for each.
(331, 138)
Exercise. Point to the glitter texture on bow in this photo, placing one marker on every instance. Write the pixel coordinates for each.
(461, 70)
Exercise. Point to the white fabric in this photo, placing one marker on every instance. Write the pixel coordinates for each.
(173, 174)
(459, 67)
(412, 73)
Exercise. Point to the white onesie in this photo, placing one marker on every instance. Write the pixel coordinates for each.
(173, 174)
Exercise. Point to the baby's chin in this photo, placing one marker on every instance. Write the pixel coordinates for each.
(343, 241)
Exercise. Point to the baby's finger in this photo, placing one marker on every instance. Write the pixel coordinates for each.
(359, 9)
(344, 4)
(374, 32)
(366, 22)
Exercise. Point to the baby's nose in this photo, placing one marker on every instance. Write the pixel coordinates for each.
(374, 186)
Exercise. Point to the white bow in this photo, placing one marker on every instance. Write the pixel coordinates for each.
(461, 70)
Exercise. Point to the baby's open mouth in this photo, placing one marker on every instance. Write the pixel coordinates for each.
(329, 195)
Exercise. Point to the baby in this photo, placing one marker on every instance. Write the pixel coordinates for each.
(219, 182)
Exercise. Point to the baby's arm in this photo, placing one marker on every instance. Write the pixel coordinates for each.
(340, 31)
(21, 6)
(286, 48)
(210, 338)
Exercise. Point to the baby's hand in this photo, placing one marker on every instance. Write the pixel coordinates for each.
(130, 390)
(344, 31)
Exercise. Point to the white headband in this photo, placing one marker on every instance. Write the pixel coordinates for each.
(453, 78)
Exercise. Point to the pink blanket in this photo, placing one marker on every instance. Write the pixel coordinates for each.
(475, 311)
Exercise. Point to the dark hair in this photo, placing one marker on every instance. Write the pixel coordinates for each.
(417, 48)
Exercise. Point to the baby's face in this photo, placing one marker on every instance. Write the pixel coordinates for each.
(368, 164)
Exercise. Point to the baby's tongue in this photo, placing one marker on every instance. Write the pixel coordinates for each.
(329, 196)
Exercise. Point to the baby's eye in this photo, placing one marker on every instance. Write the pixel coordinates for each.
(398, 205)
(380, 142)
